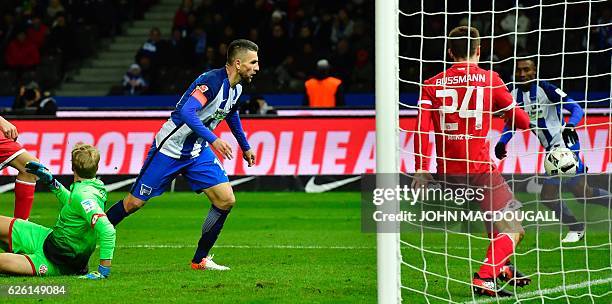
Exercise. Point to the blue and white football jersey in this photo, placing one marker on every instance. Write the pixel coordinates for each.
(175, 139)
(543, 104)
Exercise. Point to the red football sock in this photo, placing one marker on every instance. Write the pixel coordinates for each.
(500, 249)
(24, 196)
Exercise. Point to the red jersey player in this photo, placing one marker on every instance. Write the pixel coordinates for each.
(12, 154)
(460, 103)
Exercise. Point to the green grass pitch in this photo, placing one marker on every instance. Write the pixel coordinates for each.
(297, 248)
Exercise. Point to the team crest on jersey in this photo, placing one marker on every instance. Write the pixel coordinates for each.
(95, 218)
(88, 205)
(202, 88)
(145, 190)
(42, 269)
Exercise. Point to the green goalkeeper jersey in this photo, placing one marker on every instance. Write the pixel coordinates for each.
(81, 223)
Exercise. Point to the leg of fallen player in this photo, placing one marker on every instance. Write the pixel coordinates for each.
(222, 198)
(17, 264)
(11, 263)
(25, 183)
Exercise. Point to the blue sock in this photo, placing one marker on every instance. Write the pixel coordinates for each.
(116, 213)
(210, 231)
(600, 197)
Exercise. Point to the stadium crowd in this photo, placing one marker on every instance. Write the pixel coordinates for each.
(41, 39)
(293, 36)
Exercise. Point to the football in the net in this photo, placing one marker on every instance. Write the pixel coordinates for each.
(561, 161)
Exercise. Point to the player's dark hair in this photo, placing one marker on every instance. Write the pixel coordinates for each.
(459, 41)
(240, 45)
(527, 57)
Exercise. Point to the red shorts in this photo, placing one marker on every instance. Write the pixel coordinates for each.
(9, 150)
(495, 191)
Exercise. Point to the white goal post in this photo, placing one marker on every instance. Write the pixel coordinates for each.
(568, 52)
(387, 132)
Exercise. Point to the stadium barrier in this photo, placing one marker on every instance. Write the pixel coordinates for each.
(294, 148)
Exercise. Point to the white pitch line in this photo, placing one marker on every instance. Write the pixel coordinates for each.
(547, 291)
(179, 246)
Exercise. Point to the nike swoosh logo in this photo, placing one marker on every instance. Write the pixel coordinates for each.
(241, 180)
(533, 187)
(311, 187)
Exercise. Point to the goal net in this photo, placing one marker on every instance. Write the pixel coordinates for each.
(569, 44)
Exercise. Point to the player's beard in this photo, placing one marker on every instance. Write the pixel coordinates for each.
(245, 79)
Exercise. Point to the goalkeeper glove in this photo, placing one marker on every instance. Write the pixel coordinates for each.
(40, 171)
(570, 137)
(102, 273)
(500, 150)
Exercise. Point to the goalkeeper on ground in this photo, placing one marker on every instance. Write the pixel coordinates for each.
(65, 249)
(543, 101)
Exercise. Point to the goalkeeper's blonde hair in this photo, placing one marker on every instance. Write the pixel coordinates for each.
(85, 159)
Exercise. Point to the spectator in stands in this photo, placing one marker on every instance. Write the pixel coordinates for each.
(228, 34)
(289, 76)
(133, 82)
(31, 101)
(60, 38)
(521, 24)
(37, 32)
(22, 53)
(182, 14)
(277, 46)
(362, 77)
(323, 31)
(343, 60)
(55, 7)
(7, 29)
(178, 54)
(254, 34)
(604, 33)
(323, 90)
(211, 59)
(257, 105)
(199, 38)
(307, 60)
(221, 53)
(151, 47)
(342, 27)
(361, 39)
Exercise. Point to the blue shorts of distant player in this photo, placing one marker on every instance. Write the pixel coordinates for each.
(159, 170)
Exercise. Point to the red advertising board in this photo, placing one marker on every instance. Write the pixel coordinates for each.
(285, 146)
